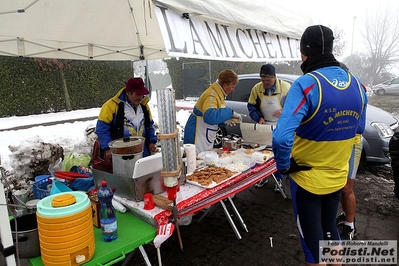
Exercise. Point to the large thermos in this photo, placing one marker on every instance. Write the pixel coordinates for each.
(65, 228)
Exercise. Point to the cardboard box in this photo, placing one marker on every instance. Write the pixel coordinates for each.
(95, 208)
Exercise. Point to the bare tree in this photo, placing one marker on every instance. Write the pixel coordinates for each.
(339, 42)
(361, 65)
(381, 33)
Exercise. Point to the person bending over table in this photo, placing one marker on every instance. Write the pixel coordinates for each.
(210, 112)
(266, 102)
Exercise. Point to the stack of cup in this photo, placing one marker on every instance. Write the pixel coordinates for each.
(148, 201)
(20, 197)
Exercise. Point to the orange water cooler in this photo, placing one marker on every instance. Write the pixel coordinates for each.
(65, 229)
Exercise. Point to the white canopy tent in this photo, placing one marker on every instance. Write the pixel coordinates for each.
(236, 30)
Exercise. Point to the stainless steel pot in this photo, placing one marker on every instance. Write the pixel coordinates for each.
(231, 142)
(125, 152)
(27, 235)
(127, 145)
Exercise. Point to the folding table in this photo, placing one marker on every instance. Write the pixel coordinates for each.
(132, 233)
(192, 198)
(204, 198)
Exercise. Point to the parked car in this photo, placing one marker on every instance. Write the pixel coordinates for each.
(380, 125)
(387, 87)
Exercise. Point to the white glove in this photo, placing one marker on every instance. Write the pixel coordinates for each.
(229, 123)
(237, 115)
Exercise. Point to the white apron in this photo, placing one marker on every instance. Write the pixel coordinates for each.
(205, 135)
(268, 106)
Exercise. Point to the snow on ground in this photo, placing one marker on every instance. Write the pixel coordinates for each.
(70, 135)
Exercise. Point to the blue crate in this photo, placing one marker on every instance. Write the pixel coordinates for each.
(40, 188)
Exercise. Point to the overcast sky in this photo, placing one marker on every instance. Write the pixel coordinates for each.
(339, 13)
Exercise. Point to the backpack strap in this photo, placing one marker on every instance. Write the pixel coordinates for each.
(117, 129)
(146, 125)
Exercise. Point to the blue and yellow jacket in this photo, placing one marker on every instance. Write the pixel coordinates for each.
(211, 109)
(107, 122)
(258, 92)
(323, 112)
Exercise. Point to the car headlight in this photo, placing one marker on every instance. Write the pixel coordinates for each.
(383, 130)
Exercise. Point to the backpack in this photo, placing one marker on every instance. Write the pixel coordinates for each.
(98, 161)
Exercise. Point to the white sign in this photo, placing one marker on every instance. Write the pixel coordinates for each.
(200, 37)
(375, 252)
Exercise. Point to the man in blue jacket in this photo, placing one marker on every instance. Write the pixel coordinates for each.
(321, 117)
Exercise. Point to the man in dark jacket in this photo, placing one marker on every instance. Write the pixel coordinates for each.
(314, 138)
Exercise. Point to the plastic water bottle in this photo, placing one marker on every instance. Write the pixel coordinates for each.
(109, 226)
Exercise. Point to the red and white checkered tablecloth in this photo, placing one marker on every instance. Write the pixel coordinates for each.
(197, 198)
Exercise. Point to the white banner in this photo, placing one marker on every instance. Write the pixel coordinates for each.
(200, 37)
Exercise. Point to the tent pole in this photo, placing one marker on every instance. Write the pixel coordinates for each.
(5, 228)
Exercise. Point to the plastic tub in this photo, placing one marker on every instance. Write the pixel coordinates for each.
(211, 158)
(59, 187)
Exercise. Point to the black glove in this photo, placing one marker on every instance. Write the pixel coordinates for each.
(294, 167)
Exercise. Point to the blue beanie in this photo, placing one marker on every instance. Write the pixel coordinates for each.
(268, 71)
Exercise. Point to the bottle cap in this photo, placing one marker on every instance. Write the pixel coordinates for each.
(104, 183)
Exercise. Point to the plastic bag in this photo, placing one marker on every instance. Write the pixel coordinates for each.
(56, 166)
(70, 160)
(83, 184)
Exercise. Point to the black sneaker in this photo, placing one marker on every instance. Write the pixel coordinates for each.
(261, 183)
(348, 233)
(340, 219)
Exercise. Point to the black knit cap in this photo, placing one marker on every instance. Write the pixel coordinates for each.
(317, 39)
(268, 71)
